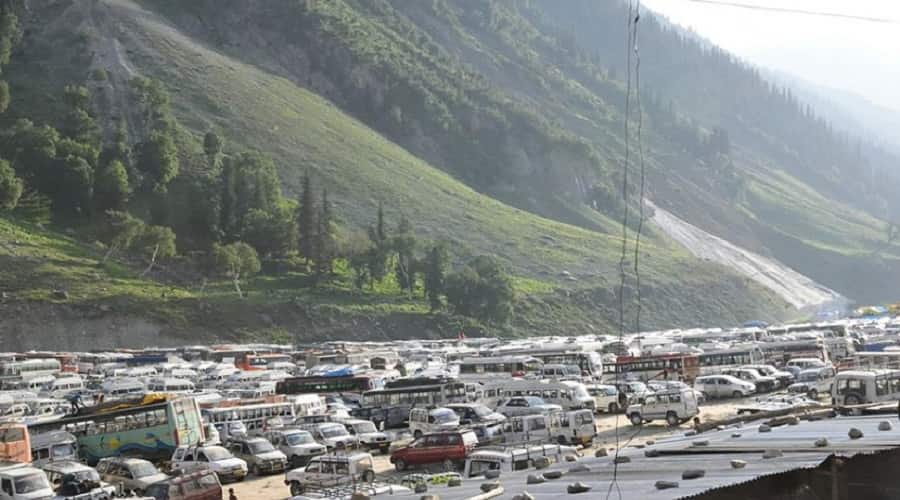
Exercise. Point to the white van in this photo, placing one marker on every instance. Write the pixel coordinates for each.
(606, 397)
(561, 372)
(60, 387)
(568, 394)
(122, 388)
(308, 404)
(526, 429)
(53, 446)
(425, 421)
(573, 427)
(512, 459)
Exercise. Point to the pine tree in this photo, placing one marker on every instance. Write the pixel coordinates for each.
(380, 251)
(306, 221)
(405, 246)
(326, 247)
(434, 276)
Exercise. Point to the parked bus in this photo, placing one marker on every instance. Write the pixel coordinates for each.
(253, 417)
(683, 367)
(712, 363)
(873, 360)
(570, 395)
(150, 429)
(490, 368)
(431, 392)
(252, 361)
(590, 362)
(68, 362)
(324, 385)
(855, 387)
(778, 353)
(15, 443)
(16, 371)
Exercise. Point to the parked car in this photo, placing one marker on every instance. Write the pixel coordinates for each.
(573, 427)
(69, 479)
(23, 482)
(813, 382)
(389, 417)
(424, 421)
(761, 382)
(676, 407)
(525, 405)
(785, 378)
(675, 385)
(475, 413)
(199, 485)
(606, 397)
(261, 456)
(512, 459)
(367, 435)
(329, 471)
(632, 392)
(447, 448)
(298, 445)
(797, 365)
(723, 386)
(488, 434)
(133, 474)
(525, 429)
(215, 458)
(333, 435)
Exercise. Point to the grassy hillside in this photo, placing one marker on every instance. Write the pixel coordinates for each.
(255, 108)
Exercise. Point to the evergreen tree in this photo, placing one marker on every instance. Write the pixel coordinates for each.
(326, 245)
(212, 147)
(111, 189)
(435, 269)
(158, 161)
(482, 290)
(306, 220)
(405, 245)
(10, 186)
(118, 149)
(379, 254)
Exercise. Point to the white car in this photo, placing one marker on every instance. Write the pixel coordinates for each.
(298, 445)
(424, 421)
(723, 386)
(763, 383)
(606, 397)
(368, 436)
(813, 382)
(328, 471)
(525, 405)
(676, 407)
(333, 435)
(784, 378)
(215, 458)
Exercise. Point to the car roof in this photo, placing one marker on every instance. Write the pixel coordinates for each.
(66, 466)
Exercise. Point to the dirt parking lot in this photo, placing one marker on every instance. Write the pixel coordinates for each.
(273, 487)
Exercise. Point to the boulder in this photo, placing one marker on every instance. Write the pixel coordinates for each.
(571, 458)
(579, 468)
(553, 474)
(601, 452)
(60, 295)
(701, 442)
(693, 474)
(651, 452)
(738, 464)
(541, 463)
(764, 428)
(665, 485)
(578, 487)
(491, 486)
(454, 482)
(884, 425)
(772, 454)
(690, 433)
(622, 460)
(736, 434)
(821, 443)
(420, 488)
(523, 496)
(793, 420)
(855, 433)
(534, 479)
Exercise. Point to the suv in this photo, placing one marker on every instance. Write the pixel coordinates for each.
(389, 417)
(200, 485)
(70, 478)
(475, 413)
(525, 405)
(333, 435)
(367, 435)
(260, 455)
(447, 448)
(23, 482)
(214, 458)
(762, 383)
(784, 378)
(606, 397)
(328, 471)
(298, 445)
(797, 365)
(134, 474)
(813, 381)
(676, 407)
(723, 386)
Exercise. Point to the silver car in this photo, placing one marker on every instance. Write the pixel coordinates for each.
(134, 474)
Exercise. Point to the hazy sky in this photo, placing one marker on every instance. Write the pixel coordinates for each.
(862, 57)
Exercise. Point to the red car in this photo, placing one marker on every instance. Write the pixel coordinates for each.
(200, 485)
(447, 448)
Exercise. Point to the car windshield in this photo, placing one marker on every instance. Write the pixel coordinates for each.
(334, 431)
(808, 376)
(444, 417)
(31, 483)
(62, 450)
(482, 411)
(87, 475)
(534, 401)
(365, 427)
(143, 469)
(299, 438)
(216, 453)
(261, 447)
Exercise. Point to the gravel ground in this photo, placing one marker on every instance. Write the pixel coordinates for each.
(273, 487)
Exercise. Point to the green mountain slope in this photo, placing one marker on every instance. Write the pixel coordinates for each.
(257, 108)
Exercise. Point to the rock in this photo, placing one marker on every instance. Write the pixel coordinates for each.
(523, 496)
(855, 433)
(534, 479)
(884, 425)
(420, 488)
(60, 295)
(736, 434)
(541, 463)
(793, 420)
(701, 442)
(491, 474)
(764, 428)
(772, 454)
(423, 497)
(105, 308)
(601, 452)
(579, 468)
(553, 474)
(650, 442)
(693, 474)
(690, 433)
(651, 453)
(578, 487)
(821, 443)
(362, 496)
(454, 482)
(622, 460)
(571, 458)
(491, 486)
(665, 485)
(738, 464)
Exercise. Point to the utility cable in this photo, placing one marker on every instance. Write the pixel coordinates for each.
(806, 12)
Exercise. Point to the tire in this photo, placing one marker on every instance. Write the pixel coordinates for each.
(672, 419)
(636, 419)
(851, 399)
(813, 394)
(417, 434)
(254, 469)
(296, 489)
(368, 476)
(705, 396)
(561, 440)
(385, 450)
(400, 465)
(737, 394)
(449, 466)
(613, 408)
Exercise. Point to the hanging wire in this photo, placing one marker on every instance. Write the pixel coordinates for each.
(806, 12)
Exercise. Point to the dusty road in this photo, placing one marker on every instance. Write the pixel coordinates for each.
(273, 487)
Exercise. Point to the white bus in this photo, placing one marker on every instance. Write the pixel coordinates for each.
(490, 368)
(855, 387)
(866, 360)
(170, 385)
(14, 371)
(568, 394)
(254, 417)
(590, 362)
(714, 362)
(431, 392)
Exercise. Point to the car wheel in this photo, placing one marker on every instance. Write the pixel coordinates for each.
(636, 419)
(613, 408)
(400, 465)
(385, 450)
(254, 469)
(851, 399)
(737, 394)
(813, 394)
(672, 419)
(368, 476)
(417, 434)
(704, 396)
(561, 440)
(449, 466)
(296, 489)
